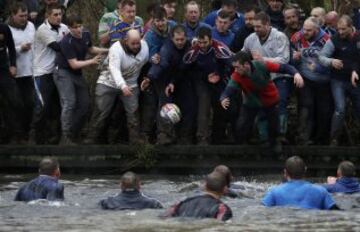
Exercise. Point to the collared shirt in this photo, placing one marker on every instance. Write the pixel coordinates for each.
(73, 48)
(44, 56)
(119, 28)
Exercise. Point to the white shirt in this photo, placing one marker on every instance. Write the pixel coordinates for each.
(124, 69)
(24, 59)
(44, 57)
(275, 49)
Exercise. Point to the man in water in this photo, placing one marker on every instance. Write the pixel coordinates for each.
(45, 186)
(130, 196)
(207, 205)
(297, 192)
(346, 182)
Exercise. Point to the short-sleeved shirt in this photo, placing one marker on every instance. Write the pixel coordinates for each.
(42, 187)
(44, 56)
(73, 48)
(300, 194)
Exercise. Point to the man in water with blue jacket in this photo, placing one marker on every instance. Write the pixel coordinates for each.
(346, 182)
(45, 186)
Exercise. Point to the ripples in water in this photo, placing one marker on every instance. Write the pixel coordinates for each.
(80, 212)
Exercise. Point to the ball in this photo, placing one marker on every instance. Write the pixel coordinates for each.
(171, 113)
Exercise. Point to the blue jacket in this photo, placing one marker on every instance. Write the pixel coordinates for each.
(216, 60)
(171, 67)
(191, 32)
(344, 185)
(42, 187)
(226, 38)
(156, 39)
(309, 66)
(132, 199)
(237, 24)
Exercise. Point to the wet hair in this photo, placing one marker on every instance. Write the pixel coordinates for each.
(204, 32)
(129, 181)
(124, 3)
(224, 170)
(251, 8)
(51, 7)
(347, 169)
(224, 15)
(15, 7)
(295, 167)
(263, 17)
(178, 28)
(347, 19)
(215, 182)
(74, 19)
(48, 165)
(159, 13)
(231, 3)
(242, 57)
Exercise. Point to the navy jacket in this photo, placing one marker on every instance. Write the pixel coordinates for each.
(344, 185)
(42, 187)
(132, 200)
(216, 60)
(171, 67)
(202, 206)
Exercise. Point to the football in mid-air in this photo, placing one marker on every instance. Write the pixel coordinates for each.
(171, 112)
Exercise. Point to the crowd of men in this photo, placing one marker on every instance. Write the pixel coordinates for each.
(206, 202)
(227, 73)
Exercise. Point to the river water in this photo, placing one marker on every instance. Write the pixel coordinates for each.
(80, 212)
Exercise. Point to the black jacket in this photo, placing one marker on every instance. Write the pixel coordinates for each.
(130, 200)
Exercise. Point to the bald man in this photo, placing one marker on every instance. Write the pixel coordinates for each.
(319, 13)
(315, 99)
(331, 19)
(126, 59)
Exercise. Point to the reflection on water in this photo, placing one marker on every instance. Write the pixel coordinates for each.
(80, 211)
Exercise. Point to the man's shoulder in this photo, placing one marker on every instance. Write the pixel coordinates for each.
(278, 34)
(212, 14)
(108, 16)
(252, 37)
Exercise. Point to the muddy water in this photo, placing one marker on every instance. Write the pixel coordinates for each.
(80, 212)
